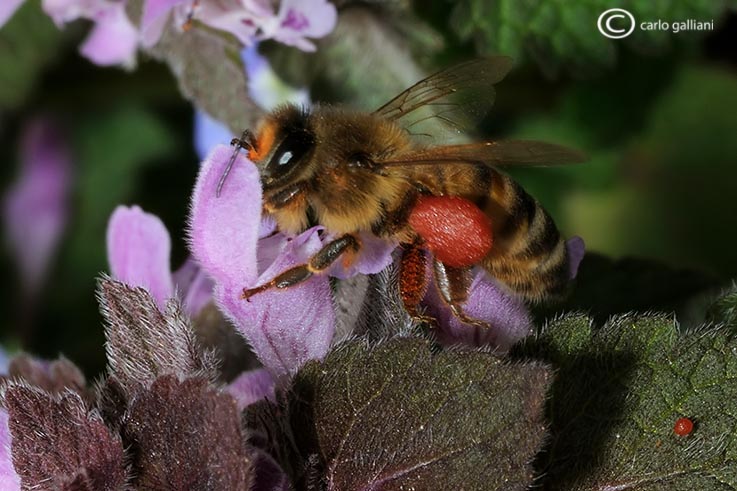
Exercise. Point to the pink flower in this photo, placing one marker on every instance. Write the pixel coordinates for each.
(298, 20)
(247, 20)
(285, 328)
(113, 39)
(139, 249)
(36, 206)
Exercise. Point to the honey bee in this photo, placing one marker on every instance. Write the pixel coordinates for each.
(365, 172)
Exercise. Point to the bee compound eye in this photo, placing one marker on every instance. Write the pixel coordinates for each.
(293, 149)
(285, 158)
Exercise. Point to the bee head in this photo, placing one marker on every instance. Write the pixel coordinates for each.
(284, 141)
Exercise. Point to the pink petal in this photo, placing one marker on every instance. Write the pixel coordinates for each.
(488, 302)
(113, 40)
(138, 249)
(285, 327)
(251, 386)
(153, 20)
(36, 205)
(375, 255)
(9, 480)
(194, 287)
(576, 250)
(62, 11)
(229, 16)
(308, 18)
(224, 230)
(7, 9)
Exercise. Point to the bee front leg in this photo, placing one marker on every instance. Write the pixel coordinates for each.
(453, 285)
(317, 264)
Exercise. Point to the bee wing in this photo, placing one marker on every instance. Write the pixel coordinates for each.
(458, 96)
(506, 153)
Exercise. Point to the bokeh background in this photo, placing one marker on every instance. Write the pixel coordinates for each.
(656, 113)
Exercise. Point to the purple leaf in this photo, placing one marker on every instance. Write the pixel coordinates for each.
(52, 376)
(57, 441)
(138, 249)
(185, 436)
(144, 343)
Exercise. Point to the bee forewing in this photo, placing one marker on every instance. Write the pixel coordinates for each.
(497, 154)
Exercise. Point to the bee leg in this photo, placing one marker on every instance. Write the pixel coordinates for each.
(317, 264)
(413, 281)
(453, 285)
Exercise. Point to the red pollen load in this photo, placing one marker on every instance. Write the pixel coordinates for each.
(454, 229)
(683, 427)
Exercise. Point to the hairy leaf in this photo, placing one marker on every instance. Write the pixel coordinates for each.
(396, 416)
(52, 376)
(144, 343)
(59, 444)
(724, 309)
(186, 435)
(210, 73)
(618, 393)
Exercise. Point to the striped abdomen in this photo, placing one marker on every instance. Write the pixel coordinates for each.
(529, 255)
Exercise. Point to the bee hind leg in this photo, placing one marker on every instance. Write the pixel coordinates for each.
(453, 285)
(413, 281)
(317, 264)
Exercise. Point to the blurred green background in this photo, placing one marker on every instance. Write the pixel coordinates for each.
(656, 113)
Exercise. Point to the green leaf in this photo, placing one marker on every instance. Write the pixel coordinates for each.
(395, 416)
(565, 34)
(28, 42)
(619, 391)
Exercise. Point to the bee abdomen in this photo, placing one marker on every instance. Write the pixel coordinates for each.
(529, 255)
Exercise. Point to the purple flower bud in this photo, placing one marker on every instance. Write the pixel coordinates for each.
(36, 205)
(138, 249)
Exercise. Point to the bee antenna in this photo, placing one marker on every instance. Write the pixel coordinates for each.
(244, 142)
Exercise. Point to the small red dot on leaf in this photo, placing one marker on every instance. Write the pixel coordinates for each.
(683, 427)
